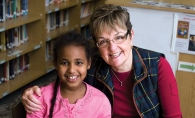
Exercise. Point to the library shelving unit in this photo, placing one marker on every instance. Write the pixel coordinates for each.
(33, 47)
(73, 21)
(35, 52)
(87, 7)
(70, 11)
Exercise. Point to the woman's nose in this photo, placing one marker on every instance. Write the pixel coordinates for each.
(112, 45)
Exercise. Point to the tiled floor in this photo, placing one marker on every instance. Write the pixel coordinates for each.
(7, 102)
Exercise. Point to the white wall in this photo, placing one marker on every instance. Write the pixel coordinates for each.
(153, 30)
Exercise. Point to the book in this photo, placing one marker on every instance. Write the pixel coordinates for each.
(3, 41)
(14, 8)
(16, 41)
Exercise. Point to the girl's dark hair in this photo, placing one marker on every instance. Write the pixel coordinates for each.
(54, 97)
(71, 38)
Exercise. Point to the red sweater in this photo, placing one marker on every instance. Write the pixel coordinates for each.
(167, 91)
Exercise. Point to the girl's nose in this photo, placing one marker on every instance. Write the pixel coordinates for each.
(71, 68)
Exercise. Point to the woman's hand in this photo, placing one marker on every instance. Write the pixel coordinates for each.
(30, 102)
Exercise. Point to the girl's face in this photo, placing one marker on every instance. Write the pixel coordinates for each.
(119, 56)
(72, 66)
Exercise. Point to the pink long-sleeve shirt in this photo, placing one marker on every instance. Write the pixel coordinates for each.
(93, 105)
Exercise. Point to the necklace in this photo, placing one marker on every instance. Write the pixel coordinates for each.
(119, 79)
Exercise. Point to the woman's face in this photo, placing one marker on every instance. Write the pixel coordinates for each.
(119, 56)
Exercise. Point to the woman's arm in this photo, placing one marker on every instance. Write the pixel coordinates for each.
(40, 113)
(30, 102)
(168, 91)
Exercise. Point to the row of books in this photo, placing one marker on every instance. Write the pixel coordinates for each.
(56, 19)
(87, 9)
(9, 70)
(13, 38)
(12, 9)
(49, 48)
(85, 31)
(49, 2)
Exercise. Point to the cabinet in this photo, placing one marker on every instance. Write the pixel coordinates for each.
(22, 64)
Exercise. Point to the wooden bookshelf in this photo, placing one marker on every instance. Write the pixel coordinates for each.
(85, 21)
(25, 48)
(84, 1)
(49, 66)
(8, 24)
(38, 37)
(33, 47)
(73, 11)
(60, 6)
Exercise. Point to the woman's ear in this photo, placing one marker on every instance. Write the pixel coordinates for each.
(89, 63)
(131, 37)
(132, 34)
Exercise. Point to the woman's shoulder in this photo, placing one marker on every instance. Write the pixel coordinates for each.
(146, 52)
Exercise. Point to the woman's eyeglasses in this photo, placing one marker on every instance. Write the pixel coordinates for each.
(117, 40)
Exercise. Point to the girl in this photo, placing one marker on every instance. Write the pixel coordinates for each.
(69, 96)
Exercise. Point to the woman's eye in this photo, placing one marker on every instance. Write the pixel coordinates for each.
(102, 42)
(120, 37)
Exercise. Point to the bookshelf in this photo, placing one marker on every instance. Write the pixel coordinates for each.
(87, 7)
(70, 11)
(32, 47)
(33, 52)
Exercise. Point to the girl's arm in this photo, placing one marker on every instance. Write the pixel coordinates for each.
(106, 108)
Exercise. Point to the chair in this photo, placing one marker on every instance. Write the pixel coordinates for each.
(18, 110)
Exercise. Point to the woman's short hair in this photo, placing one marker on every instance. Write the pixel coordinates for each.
(107, 18)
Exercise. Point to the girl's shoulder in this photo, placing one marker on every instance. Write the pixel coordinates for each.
(47, 91)
(47, 88)
(97, 97)
(94, 91)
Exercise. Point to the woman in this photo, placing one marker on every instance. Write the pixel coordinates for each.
(137, 82)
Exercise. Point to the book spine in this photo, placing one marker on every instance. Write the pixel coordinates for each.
(14, 8)
(4, 10)
(3, 41)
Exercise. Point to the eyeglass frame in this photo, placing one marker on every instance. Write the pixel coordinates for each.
(126, 35)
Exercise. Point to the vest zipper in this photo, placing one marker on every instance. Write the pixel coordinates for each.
(139, 112)
(145, 71)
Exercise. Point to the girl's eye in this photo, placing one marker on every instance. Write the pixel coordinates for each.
(64, 63)
(79, 63)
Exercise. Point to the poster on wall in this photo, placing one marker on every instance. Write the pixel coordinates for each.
(183, 33)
